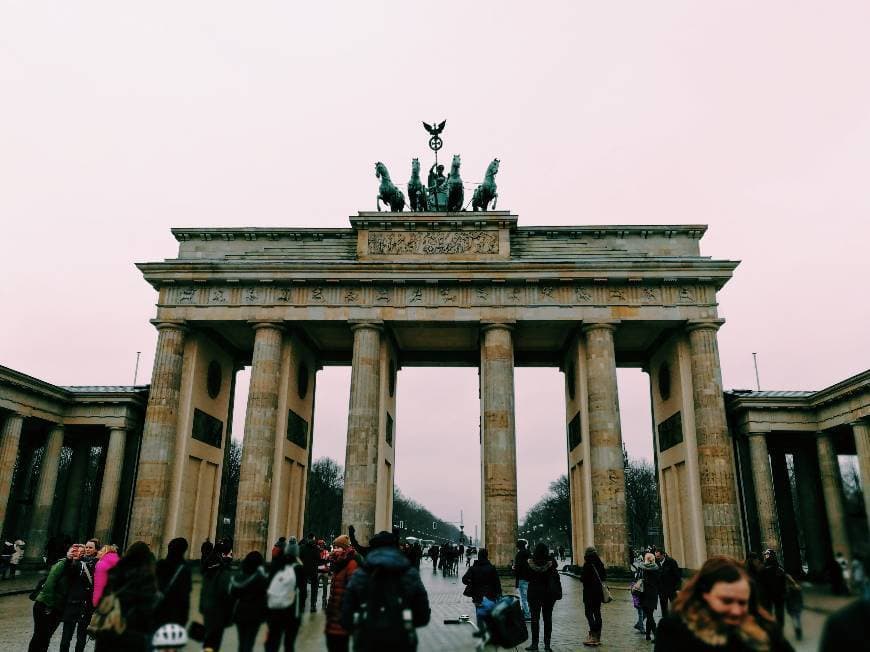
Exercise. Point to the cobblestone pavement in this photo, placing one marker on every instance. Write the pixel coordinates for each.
(445, 595)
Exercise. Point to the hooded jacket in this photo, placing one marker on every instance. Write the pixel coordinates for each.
(483, 580)
(386, 561)
(540, 572)
(343, 562)
(101, 574)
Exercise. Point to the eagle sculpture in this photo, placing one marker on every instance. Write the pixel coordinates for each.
(437, 129)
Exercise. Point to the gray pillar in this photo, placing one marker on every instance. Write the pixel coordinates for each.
(75, 484)
(832, 489)
(45, 489)
(258, 445)
(359, 504)
(498, 446)
(768, 522)
(111, 485)
(157, 451)
(609, 522)
(715, 464)
(861, 432)
(10, 437)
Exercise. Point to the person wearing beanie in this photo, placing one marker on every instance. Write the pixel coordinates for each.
(343, 563)
(393, 585)
(284, 597)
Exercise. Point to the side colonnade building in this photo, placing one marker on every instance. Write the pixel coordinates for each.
(439, 289)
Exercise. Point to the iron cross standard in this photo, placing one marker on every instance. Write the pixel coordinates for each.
(435, 142)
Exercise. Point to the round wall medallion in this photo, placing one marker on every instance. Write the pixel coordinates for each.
(213, 379)
(664, 381)
(570, 379)
(392, 378)
(302, 380)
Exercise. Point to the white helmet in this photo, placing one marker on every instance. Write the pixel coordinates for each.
(169, 635)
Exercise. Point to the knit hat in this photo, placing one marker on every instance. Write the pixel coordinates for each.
(342, 541)
(383, 539)
(292, 547)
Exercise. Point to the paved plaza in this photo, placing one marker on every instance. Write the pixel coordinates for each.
(445, 596)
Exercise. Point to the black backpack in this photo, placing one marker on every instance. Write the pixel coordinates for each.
(384, 620)
(507, 626)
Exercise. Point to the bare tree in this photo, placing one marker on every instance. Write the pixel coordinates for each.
(643, 514)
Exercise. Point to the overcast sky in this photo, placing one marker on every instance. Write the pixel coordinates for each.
(118, 122)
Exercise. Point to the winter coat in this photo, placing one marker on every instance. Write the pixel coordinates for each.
(771, 584)
(673, 633)
(309, 555)
(671, 577)
(483, 580)
(540, 574)
(521, 566)
(248, 592)
(592, 575)
(214, 604)
(101, 574)
(80, 578)
(847, 629)
(649, 599)
(343, 566)
(174, 606)
(53, 592)
(136, 588)
(380, 562)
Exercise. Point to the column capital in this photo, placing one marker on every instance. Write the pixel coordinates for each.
(57, 426)
(257, 324)
(863, 421)
(167, 324)
(704, 324)
(507, 325)
(608, 325)
(361, 324)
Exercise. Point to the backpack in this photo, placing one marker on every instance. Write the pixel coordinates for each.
(506, 623)
(384, 620)
(282, 590)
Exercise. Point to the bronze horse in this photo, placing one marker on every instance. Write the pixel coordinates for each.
(487, 191)
(388, 192)
(455, 190)
(417, 196)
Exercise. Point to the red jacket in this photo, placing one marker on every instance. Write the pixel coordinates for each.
(343, 567)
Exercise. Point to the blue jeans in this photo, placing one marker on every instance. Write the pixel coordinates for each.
(524, 597)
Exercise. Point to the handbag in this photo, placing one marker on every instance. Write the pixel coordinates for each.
(637, 586)
(108, 617)
(606, 596)
(554, 586)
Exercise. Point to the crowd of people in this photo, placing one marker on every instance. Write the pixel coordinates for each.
(132, 602)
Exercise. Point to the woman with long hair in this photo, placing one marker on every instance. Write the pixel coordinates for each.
(134, 584)
(718, 610)
(592, 576)
(543, 577)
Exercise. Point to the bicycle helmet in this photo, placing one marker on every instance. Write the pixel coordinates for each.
(170, 635)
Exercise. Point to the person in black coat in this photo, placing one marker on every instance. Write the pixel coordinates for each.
(651, 575)
(848, 628)
(248, 591)
(482, 579)
(543, 576)
(718, 611)
(772, 586)
(592, 576)
(670, 579)
(385, 568)
(174, 581)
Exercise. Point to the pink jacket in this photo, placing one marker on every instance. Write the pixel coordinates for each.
(101, 574)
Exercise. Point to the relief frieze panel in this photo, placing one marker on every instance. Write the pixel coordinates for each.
(433, 295)
(431, 243)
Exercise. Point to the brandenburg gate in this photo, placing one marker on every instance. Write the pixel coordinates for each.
(401, 289)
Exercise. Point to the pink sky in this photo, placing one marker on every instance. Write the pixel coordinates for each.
(119, 122)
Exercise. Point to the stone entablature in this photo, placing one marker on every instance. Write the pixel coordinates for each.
(109, 406)
(772, 411)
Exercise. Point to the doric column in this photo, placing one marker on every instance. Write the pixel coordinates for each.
(861, 432)
(111, 485)
(258, 445)
(157, 451)
(605, 446)
(45, 488)
(832, 489)
(768, 522)
(498, 446)
(359, 504)
(715, 464)
(10, 437)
